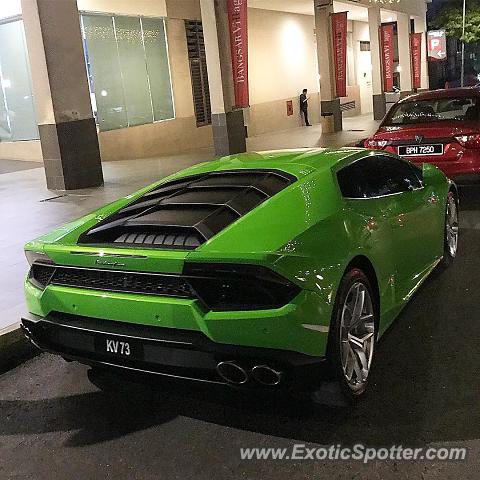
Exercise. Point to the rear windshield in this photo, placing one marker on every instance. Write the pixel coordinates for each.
(434, 110)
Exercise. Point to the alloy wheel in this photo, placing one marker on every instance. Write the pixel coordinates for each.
(357, 336)
(452, 226)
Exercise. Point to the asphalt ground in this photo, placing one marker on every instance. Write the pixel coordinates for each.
(424, 391)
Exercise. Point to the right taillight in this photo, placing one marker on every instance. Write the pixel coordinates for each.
(471, 140)
(229, 287)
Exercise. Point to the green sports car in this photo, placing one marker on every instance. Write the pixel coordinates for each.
(273, 268)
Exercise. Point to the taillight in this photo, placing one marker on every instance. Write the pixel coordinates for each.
(373, 144)
(229, 287)
(469, 141)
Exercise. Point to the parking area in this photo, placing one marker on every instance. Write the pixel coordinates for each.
(424, 391)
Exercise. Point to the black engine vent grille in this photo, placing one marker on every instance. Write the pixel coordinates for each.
(111, 281)
(186, 213)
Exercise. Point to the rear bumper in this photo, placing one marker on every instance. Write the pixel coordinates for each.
(464, 167)
(167, 352)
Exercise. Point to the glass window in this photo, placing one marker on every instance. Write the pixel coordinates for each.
(158, 68)
(17, 112)
(103, 66)
(134, 70)
(434, 110)
(127, 63)
(377, 176)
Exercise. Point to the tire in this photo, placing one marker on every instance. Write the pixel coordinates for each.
(451, 230)
(353, 334)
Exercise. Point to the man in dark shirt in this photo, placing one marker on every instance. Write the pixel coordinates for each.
(304, 106)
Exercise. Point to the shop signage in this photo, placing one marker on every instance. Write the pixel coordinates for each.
(416, 52)
(237, 19)
(437, 45)
(339, 34)
(386, 37)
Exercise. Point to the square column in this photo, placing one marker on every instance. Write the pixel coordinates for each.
(68, 134)
(404, 53)
(379, 101)
(227, 123)
(330, 105)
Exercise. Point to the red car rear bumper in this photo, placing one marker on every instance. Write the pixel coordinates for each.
(465, 166)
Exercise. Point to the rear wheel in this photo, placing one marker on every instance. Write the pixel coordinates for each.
(451, 229)
(353, 334)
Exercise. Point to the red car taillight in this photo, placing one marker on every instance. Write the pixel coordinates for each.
(471, 140)
(373, 144)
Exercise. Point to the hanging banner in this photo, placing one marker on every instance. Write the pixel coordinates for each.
(437, 45)
(339, 34)
(237, 20)
(416, 52)
(386, 38)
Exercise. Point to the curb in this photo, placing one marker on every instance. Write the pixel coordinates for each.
(15, 348)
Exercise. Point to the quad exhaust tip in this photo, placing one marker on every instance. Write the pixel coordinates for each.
(234, 374)
(266, 375)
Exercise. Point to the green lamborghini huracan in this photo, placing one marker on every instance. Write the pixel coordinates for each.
(260, 269)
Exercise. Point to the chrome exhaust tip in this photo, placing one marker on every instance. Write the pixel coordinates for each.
(266, 375)
(233, 373)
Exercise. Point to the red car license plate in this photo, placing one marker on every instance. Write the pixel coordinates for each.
(420, 150)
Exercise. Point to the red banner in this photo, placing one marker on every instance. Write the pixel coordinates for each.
(416, 52)
(386, 38)
(339, 34)
(237, 20)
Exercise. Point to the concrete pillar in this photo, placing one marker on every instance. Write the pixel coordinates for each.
(227, 123)
(421, 27)
(330, 105)
(404, 53)
(379, 102)
(68, 134)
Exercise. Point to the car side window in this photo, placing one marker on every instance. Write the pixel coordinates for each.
(377, 176)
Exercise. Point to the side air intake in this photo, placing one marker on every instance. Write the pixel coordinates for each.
(185, 213)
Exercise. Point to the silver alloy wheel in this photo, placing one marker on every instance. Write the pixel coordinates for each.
(452, 226)
(357, 336)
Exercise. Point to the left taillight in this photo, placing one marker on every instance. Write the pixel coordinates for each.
(373, 144)
(37, 257)
(42, 268)
(237, 287)
(40, 274)
(471, 140)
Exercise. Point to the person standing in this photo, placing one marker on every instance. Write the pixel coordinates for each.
(304, 106)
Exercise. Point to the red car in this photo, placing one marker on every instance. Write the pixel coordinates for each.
(441, 127)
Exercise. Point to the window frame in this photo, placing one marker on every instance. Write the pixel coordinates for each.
(415, 171)
(113, 15)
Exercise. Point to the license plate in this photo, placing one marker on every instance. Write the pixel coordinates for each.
(420, 150)
(122, 347)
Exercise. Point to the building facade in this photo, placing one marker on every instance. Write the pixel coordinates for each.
(85, 81)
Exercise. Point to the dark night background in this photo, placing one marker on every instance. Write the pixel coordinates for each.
(435, 6)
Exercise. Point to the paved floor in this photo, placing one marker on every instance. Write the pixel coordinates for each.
(28, 209)
(425, 390)
(9, 166)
